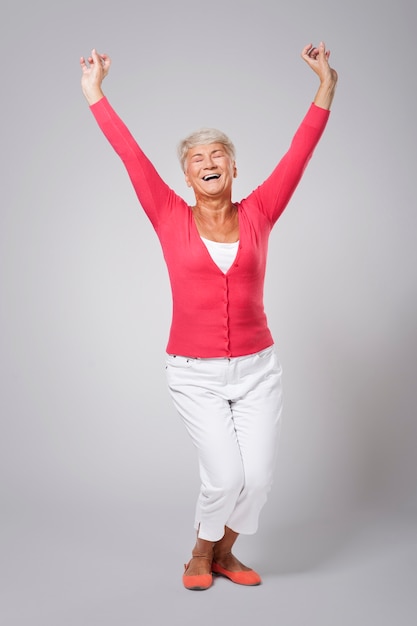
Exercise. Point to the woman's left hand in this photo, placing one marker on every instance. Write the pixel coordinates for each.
(318, 59)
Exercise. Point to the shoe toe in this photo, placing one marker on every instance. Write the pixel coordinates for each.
(243, 577)
(198, 582)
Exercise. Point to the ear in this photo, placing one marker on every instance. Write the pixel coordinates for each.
(234, 170)
(187, 180)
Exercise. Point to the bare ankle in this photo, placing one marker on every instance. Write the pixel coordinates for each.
(203, 549)
(220, 552)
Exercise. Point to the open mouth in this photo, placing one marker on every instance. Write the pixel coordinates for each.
(211, 177)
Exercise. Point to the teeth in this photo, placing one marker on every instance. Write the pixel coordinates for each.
(211, 177)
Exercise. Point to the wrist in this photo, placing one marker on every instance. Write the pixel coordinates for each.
(93, 95)
(325, 94)
(328, 83)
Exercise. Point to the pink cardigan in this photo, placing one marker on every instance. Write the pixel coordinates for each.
(214, 314)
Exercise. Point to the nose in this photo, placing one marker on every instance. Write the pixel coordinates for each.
(209, 164)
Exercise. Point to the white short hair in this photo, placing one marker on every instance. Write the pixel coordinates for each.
(202, 137)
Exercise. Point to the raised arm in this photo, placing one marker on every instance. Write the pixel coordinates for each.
(156, 198)
(318, 59)
(274, 194)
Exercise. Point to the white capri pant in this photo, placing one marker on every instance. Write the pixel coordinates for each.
(231, 408)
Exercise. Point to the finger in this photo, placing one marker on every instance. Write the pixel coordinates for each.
(102, 60)
(322, 49)
(310, 52)
(105, 60)
(306, 49)
(96, 57)
(83, 64)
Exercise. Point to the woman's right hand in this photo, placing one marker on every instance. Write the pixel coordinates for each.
(94, 70)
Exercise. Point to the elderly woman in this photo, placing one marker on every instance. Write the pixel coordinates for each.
(222, 369)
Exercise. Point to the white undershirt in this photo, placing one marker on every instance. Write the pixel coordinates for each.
(223, 254)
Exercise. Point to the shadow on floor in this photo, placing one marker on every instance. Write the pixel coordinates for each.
(305, 546)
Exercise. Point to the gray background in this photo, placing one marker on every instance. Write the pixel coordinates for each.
(98, 478)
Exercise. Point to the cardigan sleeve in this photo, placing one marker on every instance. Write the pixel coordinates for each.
(156, 198)
(273, 195)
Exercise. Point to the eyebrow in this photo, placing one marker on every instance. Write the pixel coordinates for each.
(212, 152)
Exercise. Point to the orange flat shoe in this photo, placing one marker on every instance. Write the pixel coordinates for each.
(196, 582)
(248, 577)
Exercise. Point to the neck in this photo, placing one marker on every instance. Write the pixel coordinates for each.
(214, 210)
(217, 221)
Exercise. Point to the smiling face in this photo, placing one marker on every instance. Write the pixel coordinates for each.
(209, 170)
